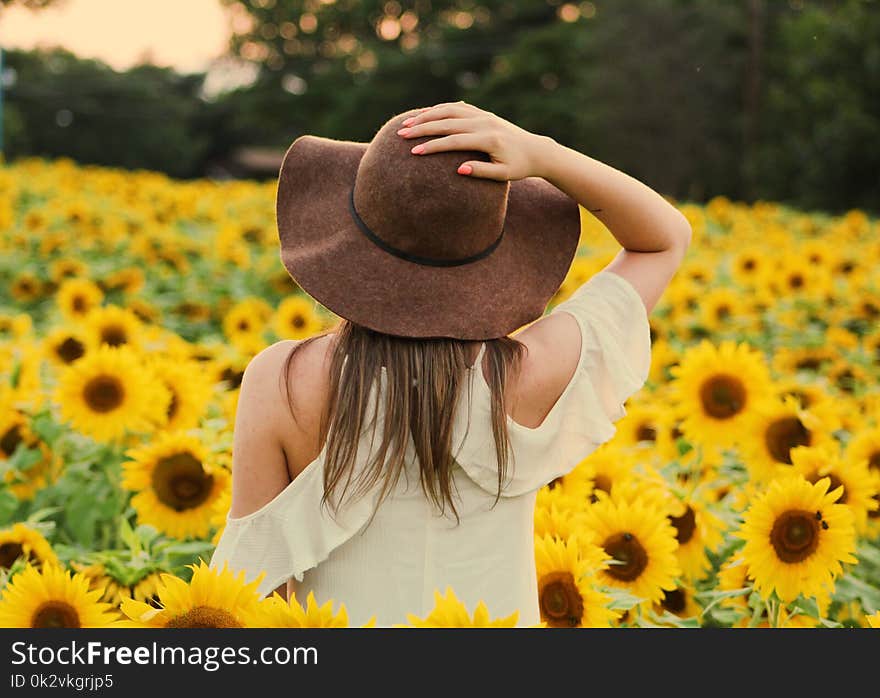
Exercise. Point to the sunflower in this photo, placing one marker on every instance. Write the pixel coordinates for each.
(778, 427)
(106, 393)
(858, 482)
(718, 388)
(26, 481)
(679, 602)
(66, 268)
(567, 595)
(176, 483)
(15, 327)
(113, 326)
(640, 425)
(64, 345)
(296, 318)
(697, 530)
(558, 519)
(721, 308)
(748, 264)
(49, 598)
(22, 541)
(449, 612)
(796, 537)
(275, 612)
(128, 280)
(640, 542)
(734, 576)
(211, 599)
(26, 287)
(807, 359)
(865, 446)
(77, 297)
(190, 388)
(849, 378)
(114, 590)
(874, 620)
(594, 477)
(247, 317)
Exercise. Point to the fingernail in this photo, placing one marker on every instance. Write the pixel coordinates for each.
(407, 122)
(465, 169)
(402, 132)
(418, 149)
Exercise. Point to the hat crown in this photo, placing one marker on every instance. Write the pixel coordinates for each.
(419, 204)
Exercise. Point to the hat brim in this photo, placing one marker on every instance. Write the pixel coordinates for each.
(330, 258)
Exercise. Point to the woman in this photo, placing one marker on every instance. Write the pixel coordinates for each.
(451, 229)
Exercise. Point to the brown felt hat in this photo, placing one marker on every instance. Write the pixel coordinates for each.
(404, 245)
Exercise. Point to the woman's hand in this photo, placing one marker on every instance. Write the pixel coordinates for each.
(515, 152)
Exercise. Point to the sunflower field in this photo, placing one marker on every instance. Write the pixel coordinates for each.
(740, 490)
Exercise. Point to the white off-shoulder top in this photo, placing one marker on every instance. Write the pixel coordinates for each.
(392, 566)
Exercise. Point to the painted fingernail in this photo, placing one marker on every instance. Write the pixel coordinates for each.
(465, 169)
(417, 150)
(407, 122)
(403, 132)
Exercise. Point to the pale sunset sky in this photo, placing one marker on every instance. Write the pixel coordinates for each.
(184, 34)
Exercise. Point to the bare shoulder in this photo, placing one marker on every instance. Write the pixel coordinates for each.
(305, 395)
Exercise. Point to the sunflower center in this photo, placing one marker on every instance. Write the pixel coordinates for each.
(809, 364)
(204, 617)
(646, 432)
(55, 614)
(600, 483)
(722, 312)
(172, 406)
(70, 350)
(298, 321)
(234, 377)
(783, 435)
(114, 335)
(10, 440)
(674, 601)
(631, 557)
(104, 393)
(749, 264)
(846, 380)
(9, 553)
(244, 325)
(685, 525)
(79, 305)
(873, 460)
(180, 481)
(723, 396)
(796, 281)
(561, 603)
(795, 535)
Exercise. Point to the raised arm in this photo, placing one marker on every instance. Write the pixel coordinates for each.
(653, 233)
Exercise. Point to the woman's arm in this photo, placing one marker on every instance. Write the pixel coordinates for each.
(653, 233)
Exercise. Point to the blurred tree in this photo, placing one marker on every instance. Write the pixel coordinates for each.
(820, 123)
(143, 118)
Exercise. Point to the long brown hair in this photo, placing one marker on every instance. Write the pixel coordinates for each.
(425, 381)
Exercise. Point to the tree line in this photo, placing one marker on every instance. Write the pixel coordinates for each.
(752, 99)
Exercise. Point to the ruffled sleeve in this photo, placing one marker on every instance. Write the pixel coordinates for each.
(293, 532)
(614, 363)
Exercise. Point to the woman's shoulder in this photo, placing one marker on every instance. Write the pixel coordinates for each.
(301, 390)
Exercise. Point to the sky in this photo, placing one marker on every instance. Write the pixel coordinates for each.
(183, 34)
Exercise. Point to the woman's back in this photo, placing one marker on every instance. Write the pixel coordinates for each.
(391, 565)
